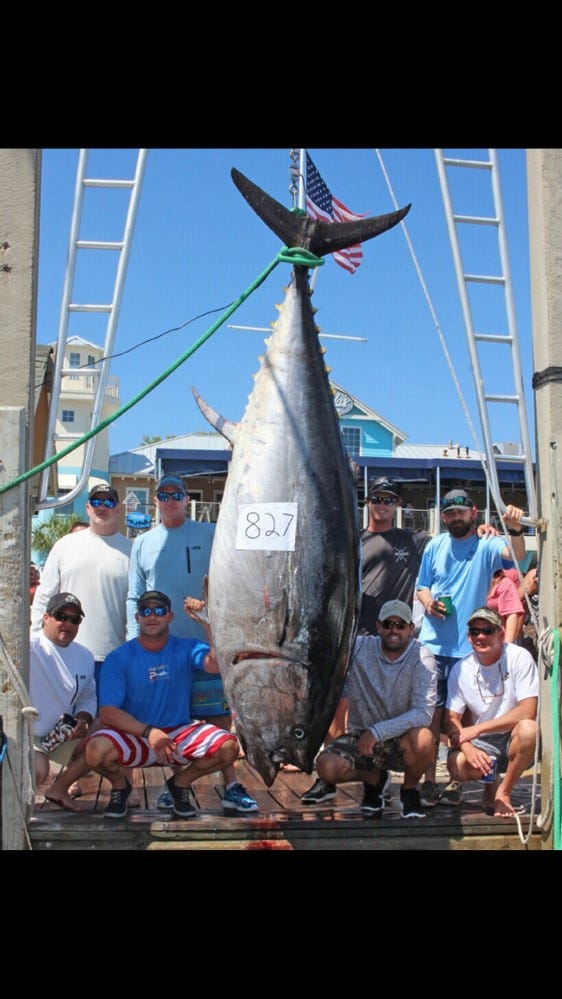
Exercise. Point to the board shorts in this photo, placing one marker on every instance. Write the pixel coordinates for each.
(496, 745)
(60, 754)
(194, 741)
(387, 755)
(208, 698)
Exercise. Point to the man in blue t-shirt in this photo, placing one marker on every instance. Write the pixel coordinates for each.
(459, 564)
(145, 691)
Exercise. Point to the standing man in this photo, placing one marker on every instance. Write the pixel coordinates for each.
(173, 557)
(94, 564)
(391, 690)
(61, 673)
(390, 556)
(491, 711)
(459, 564)
(144, 710)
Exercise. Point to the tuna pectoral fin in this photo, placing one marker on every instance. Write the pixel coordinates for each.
(312, 234)
(225, 427)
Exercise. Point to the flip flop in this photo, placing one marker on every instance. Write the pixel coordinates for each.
(61, 804)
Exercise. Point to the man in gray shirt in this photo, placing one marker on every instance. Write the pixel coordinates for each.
(391, 692)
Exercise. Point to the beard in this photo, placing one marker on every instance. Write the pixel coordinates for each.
(460, 528)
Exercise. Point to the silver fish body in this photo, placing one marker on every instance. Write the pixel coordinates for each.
(284, 574)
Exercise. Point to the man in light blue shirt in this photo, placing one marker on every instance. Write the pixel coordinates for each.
(460, 564)
(173, 557)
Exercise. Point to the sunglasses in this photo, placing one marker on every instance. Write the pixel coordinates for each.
(457, 501)
(387, 500)
(486, 695)
(109, 503)
(158, 611)
(482, 631)
(61, 616)
(164, 497)
(399, 625)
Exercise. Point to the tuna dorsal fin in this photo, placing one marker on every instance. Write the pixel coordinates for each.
(297, 230)
(225, 427)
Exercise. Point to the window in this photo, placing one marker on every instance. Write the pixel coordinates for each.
(68, 416)
(91, 360)
(74, 360)
(142, 496)
(352, 439)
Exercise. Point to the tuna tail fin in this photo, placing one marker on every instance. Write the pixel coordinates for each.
(225, 427)
(296, 230)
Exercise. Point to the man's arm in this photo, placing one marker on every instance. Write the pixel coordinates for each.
(196, 610)
(137, 586)
(49, 585)
(452, 726)
(511, 519)
(526, 708)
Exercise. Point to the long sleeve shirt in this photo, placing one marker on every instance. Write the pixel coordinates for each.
(390, 697)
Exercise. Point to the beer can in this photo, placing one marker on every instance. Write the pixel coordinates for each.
(60, 732)
(491, 776)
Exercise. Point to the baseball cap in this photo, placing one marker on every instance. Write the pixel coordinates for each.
(64, 600)
(171, 480)
(382, 485)
(457, 497)
(398, 608)
(104, 489)
(487, 614)
(154, 595)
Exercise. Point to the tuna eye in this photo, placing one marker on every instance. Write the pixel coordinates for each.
(299, 733)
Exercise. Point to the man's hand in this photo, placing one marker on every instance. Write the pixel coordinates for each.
(512, 516)
(196, 609)
(366, 743)
(164, 748)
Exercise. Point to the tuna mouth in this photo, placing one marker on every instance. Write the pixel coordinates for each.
(254, 654)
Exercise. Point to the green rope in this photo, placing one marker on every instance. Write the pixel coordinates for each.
(296, 256)
(555, 709)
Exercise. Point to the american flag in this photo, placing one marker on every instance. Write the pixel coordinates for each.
(321, 204)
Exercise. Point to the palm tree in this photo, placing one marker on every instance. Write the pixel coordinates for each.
(44, 534)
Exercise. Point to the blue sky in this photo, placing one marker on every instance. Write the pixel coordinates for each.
(198, 246)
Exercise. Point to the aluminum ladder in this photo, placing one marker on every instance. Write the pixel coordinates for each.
(508, 339)
(101, 371)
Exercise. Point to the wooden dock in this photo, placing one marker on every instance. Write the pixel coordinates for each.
(282, 823)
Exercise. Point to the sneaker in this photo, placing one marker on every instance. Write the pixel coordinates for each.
(372, 799)
(319, 792)
(165, 802)
(452, 795)
(237, 798)
(411, 804)
(430, 794)
(117, 807)
(181, 800)
(387, 790)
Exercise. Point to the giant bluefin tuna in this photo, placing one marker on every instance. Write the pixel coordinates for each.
(284, 574)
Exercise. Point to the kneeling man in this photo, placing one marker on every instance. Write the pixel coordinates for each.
(491, 710)
(391, 690)
(145, 692)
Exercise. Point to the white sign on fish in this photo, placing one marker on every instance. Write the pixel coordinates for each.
(266, 526)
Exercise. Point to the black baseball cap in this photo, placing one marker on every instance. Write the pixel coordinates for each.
(382, 485)
(155, 596)
(103, 489)
(64, 601)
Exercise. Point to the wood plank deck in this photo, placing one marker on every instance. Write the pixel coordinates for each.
(282, 823)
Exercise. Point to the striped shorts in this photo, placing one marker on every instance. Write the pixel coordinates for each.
(194, 741)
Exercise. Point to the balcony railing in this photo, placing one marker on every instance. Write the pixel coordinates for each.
(85, 384)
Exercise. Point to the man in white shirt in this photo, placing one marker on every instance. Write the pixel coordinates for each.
(93, 564)
(61, 683)
(490, 713)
